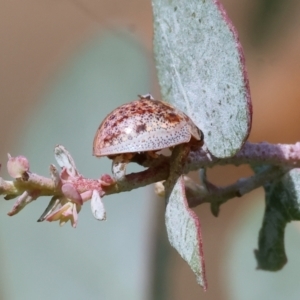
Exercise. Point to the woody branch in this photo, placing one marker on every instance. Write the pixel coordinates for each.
(283, 156)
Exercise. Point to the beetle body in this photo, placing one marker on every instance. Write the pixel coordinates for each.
(142, 126)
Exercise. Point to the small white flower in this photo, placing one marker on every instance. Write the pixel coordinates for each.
(97, 206)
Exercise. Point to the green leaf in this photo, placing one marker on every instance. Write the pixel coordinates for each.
(201, 70)
(184, 231)
(282, 206)
(291, 194)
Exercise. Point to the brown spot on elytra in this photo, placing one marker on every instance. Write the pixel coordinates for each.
(173, 118)
(120, 120)
(140, 128)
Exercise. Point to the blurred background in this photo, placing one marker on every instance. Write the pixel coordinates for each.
(64, 65)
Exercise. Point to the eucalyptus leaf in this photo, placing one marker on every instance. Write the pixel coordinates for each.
(184, 231)
(282, 206)
(291, 194)
(201, 70)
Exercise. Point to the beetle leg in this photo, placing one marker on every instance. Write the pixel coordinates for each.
(152, 154)
(119, 165)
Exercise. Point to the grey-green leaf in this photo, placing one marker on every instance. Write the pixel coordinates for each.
(201, 70)
(184, 231)
(282, 206)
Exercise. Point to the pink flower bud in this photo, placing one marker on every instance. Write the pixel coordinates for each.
(106, 180)
(71, 193)
(17, 166)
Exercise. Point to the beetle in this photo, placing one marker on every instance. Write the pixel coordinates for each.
(144, 126)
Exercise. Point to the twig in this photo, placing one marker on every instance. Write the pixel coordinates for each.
(218, 195)
(285, 155)
(69, 183)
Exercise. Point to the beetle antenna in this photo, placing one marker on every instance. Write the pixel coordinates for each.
(146, 96)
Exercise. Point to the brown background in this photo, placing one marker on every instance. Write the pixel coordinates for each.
(36, 37)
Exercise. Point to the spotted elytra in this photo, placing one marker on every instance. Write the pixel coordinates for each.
(144, 126)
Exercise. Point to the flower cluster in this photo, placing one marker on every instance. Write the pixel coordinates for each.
(68, 188)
